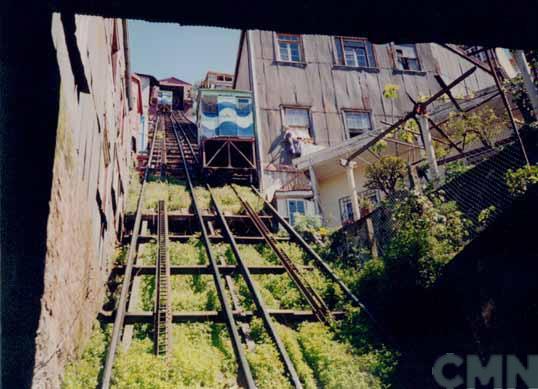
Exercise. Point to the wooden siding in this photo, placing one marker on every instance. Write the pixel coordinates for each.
(328, 89)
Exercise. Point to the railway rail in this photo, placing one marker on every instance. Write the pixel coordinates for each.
(174, 152)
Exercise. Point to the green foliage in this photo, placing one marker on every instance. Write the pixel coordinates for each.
(201, 357)
(427, 235)
(311, 229)
(516, 88)
(293, 348)
(386, 174)
(379, 146)
(333, 363)
(486, 214)
(482, 124)
(83, 372)
(227, 199)
(519, 180)
(173, 191)
(455, 169)
(390, 91)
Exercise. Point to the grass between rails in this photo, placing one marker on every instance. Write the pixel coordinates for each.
(202, 355)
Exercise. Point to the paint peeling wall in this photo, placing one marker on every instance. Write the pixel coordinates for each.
(89, 182)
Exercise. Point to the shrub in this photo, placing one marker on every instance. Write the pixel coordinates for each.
(333, 363)
(427, 234)
(519, 180)
(455, 169)
(385, 174)
(482, 124)
(485, 215)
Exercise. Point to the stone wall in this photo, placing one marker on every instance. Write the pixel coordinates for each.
(90, 178)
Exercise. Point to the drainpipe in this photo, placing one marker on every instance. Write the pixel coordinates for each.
(256, 111)
(127, 63)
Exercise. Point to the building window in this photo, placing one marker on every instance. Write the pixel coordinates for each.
(357, 122)
(297, 120)
(371, 195)
(243, 106)
(355, 52)
(346, 210)
(209, 104)
(476, 52)
(294, 207)
(290, 48)
(406, 57)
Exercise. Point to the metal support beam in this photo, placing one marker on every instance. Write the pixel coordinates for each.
(283, 315)
(144, 270)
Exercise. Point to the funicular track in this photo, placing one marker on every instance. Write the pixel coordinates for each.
(185, 154)
(163, 309)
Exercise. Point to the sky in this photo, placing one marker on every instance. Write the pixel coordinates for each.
(165, 50)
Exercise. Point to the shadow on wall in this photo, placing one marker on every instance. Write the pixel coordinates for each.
(29, 114)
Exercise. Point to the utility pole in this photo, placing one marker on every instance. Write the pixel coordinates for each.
(519, 56)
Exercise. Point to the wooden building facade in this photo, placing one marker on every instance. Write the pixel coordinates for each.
(314, 92)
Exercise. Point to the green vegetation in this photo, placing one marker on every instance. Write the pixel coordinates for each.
(481, 124)
(386, 175)
(173, 191)
(485, 215)
(519, 180)
(201, 357)
(227, 199)
(83, 373)
(455, 169)
(334, 363)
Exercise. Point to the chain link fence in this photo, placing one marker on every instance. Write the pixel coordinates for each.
(476, 183)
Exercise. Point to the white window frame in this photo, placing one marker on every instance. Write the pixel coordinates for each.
(290, 60)
(397, 62)
(341, 201)
(373, 65)
(287, 127)
(344, 118)
(290, 216)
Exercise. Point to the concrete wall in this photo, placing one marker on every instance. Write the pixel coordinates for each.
(90, 179)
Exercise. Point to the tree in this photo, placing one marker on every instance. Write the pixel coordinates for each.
(386, 174)
(482, 124)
